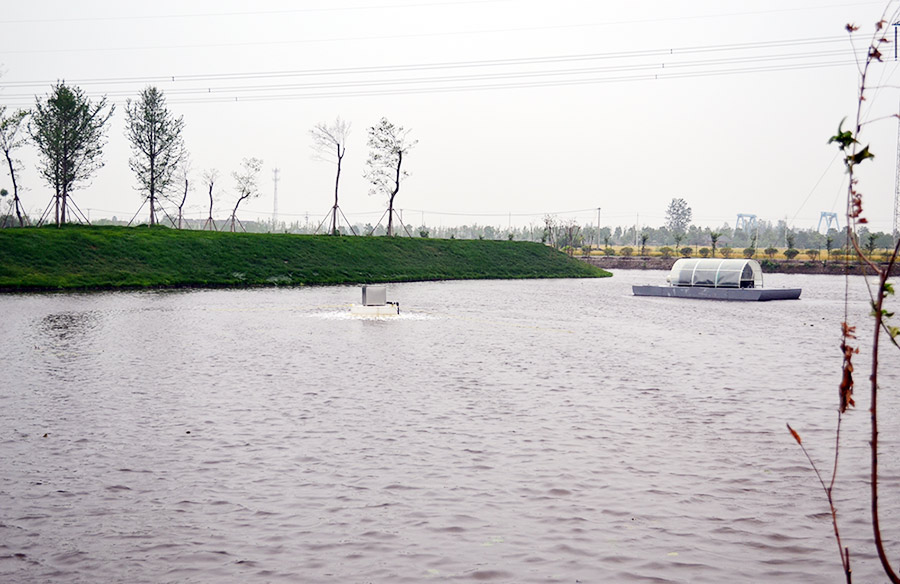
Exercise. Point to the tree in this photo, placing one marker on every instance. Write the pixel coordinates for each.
(388, 144)
(209, 179)
(678, 216)
(155, 136)
(245, 183)
(183, 178)
(68, 130)
(11, 139)
(330, 143)
(714, 239)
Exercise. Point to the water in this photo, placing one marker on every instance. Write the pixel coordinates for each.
(497, 431)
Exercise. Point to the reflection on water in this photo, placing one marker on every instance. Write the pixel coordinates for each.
(532, 431)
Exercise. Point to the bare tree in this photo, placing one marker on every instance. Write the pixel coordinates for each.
(156, 141)
(330, 144)
(245, 183)
(388, 144)
(68, 130)
(12, 138)
(183, 178)
(209, 179)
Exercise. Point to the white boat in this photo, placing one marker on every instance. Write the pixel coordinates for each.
(717, 279)
(374, 303)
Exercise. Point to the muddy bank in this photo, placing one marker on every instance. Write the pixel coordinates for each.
(768, 266)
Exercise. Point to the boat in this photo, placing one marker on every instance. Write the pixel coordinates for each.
(717, 279)
(374, 303)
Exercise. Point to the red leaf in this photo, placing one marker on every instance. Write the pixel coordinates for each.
(794, 434)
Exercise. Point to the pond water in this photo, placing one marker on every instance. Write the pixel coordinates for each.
(497, 431)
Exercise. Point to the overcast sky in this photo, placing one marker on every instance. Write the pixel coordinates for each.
(521, 107)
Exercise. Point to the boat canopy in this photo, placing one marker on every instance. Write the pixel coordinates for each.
(716, 273)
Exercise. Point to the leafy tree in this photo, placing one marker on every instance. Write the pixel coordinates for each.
(11, 139)
(157, 144)
(749, 252)
(644, 238)
(245, 183)
(678, 236)
(388, 144)
(68, 130)
(678, 216)
(791, 253)
(770, 252)
(812, 253)
(330, 143)
(726, 252)
(829, 245)
(714, 238)
(666, 251)
(871, 243)
(704, 252)
(687, 251)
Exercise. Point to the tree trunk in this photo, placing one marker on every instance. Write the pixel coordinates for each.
(12, 176)
(390, 230)
(337, 179)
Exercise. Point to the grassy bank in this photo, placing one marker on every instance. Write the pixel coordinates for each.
(111, 257)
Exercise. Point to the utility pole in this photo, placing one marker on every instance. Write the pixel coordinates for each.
(896, 223)
(598, 227)
(275, 198)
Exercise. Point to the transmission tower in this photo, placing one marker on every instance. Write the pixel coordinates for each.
(745, 222)
(828, 218)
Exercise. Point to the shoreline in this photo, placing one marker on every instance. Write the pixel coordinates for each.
(834, 267)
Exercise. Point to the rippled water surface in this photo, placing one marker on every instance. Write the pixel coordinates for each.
(497, 431)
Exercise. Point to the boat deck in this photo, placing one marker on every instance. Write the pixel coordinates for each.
(710, 293)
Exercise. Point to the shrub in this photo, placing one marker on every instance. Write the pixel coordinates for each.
(687, 251)
(726, 252)
(812, 253)
(704, 252)
(791, 253)
(585, 249)
(749, 252)
(666, 251)
(608, 251)
(626, 251)
(770, 252)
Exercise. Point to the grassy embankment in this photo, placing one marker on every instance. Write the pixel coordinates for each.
(75, 257)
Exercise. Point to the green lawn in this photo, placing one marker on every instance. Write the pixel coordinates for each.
(76, 256)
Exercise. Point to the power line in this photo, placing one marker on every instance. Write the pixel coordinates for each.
(243, 13)
(544, 71)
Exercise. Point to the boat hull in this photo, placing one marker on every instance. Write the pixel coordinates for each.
(704, 293)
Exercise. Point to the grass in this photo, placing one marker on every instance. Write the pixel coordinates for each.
(80, 257)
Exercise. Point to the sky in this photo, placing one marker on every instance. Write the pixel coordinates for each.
(521, 108)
